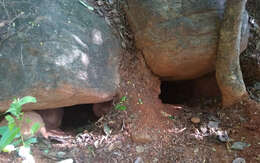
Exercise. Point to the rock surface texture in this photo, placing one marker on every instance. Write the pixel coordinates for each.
(101, 109)
(57, 51)
(52, 117)
(179, 38)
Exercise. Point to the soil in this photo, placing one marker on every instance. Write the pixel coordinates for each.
(150, 130)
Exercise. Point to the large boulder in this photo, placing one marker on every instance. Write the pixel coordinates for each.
(57, 51)
(179, 38)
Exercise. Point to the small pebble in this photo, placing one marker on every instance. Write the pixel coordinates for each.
(196, 150)
(139, 149)
(239, 160)
(114, 146)
(213, 124)
(139, 160)
(66, 161)
(100, 2)
(195, 120)
(239, 145)
(61, 154)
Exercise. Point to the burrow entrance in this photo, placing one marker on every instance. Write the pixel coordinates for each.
(177, 92)
(78, 117)
(183, 92)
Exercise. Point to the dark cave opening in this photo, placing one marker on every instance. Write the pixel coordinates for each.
(78, 116)
(183, 92)
(175, 92)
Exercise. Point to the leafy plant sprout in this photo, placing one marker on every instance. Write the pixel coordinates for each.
(11, 136)
(120, 106)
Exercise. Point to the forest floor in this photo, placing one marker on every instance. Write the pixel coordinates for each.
(188, 131)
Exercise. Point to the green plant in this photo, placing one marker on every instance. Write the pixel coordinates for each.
(120, 105)
(140, 101)
(171, 117)
(11, 136)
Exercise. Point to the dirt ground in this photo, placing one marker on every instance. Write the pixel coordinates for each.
(152, 131)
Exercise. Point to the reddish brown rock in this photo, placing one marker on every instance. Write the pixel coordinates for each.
(195, 120)
(179, 38)
(101, 109)
(206, 86)
(52, 117)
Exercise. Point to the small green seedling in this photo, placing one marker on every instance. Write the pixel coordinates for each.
(120, 106)
(11, 136)
(140, 101)
(123, 99)
(171, 117)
